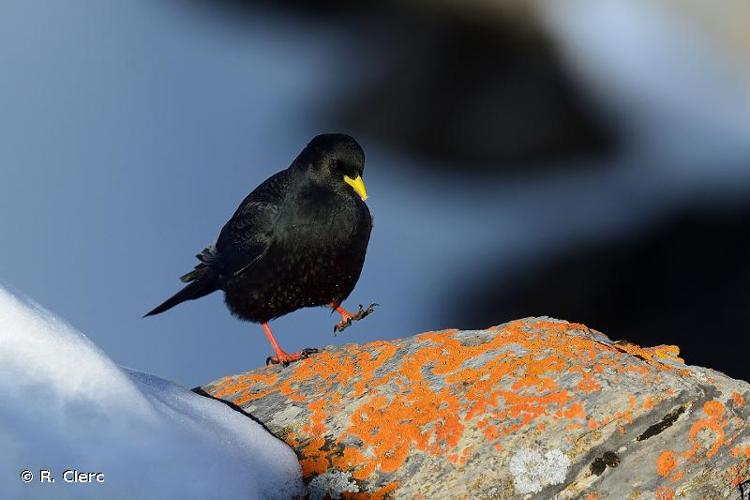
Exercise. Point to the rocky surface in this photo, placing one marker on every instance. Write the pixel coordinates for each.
(535, 408)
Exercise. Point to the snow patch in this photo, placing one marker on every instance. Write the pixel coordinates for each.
(532, 471)
(66, 405)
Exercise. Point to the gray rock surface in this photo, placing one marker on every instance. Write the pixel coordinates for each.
(535, 408)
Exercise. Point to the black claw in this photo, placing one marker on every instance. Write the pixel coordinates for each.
(361, 313)
(342, 325)
(306, 352)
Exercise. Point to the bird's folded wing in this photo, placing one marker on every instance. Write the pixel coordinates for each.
(246, 237)
(244, 240)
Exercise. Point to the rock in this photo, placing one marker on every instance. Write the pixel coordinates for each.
(529, 409)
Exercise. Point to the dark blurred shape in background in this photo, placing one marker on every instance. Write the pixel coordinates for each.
(587, 160)
(490, 96)
(454, 85)
(684, 281)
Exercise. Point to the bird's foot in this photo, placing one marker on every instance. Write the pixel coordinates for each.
(347, 318)
(284, 359)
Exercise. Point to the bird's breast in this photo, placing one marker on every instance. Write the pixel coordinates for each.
(324, 221)
(316, 258)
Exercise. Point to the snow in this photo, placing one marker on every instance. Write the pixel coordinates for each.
(65, 405)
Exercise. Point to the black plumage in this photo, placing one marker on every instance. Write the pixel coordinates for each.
(298, 240)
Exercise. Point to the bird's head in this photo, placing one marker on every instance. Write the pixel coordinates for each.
(336, 160)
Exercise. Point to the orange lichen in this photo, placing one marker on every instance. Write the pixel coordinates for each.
(491, 432)
(664, 493)
(588, 383)
(653, 354)
(648, 403)
(713, 408)
(576, 410)
(424, 399)
(714, 423)
(738, 473)
(710, 426)
(737, 399)
(379, 494)
(668, 352)
(678, 474)
(666, 463)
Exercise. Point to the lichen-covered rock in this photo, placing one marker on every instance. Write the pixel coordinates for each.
(532, 408)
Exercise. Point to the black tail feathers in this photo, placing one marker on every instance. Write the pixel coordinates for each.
(199, 272)
(202, 281)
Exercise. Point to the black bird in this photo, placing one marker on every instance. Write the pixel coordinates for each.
(298, 240)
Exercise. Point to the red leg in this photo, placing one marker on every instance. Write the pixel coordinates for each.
(281, 356)
(347, 318)
(345, 315)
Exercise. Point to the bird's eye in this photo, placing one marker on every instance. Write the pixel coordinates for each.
(341, 167)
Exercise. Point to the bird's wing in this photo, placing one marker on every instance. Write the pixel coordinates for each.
(246, 237)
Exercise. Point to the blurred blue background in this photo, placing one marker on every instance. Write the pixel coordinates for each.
(586, 160)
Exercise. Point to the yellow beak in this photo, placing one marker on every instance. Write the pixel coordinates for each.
(358, 185)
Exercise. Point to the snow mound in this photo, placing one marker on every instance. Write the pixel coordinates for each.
(66, 406)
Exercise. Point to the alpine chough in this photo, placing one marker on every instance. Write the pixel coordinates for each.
(298, 240)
